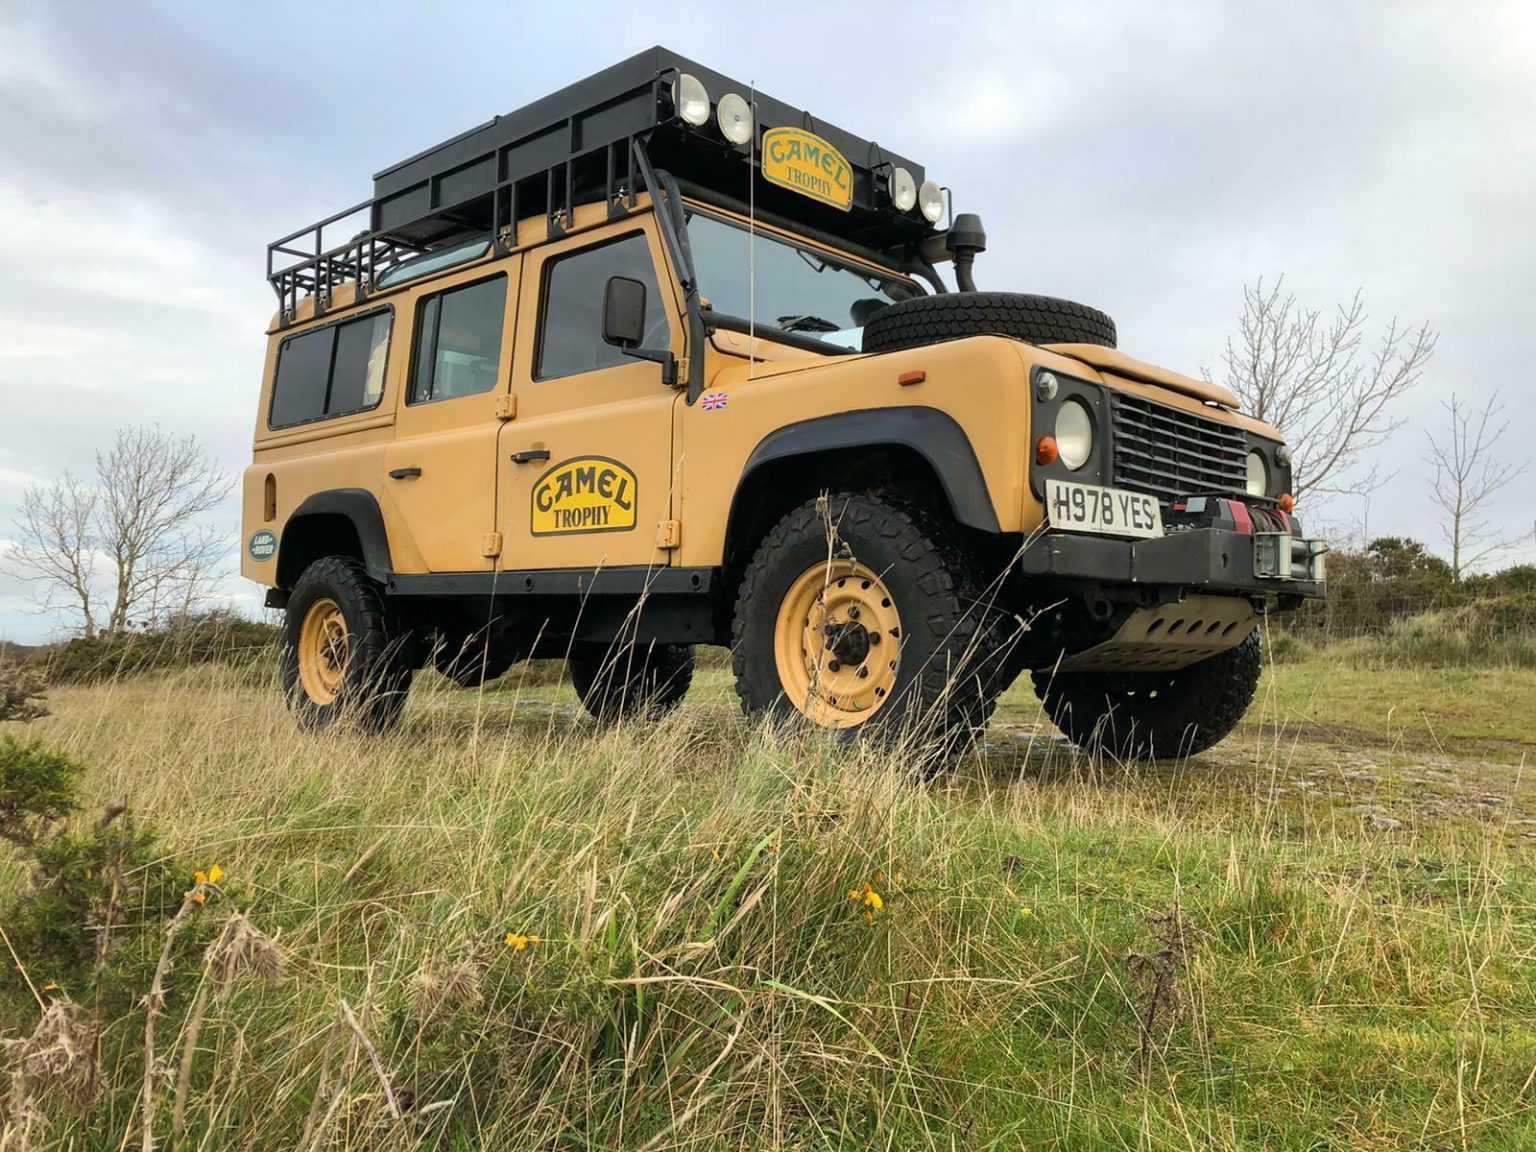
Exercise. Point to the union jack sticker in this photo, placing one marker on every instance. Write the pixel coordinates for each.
(713, 401)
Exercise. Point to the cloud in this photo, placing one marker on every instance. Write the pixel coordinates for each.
(1145, 158)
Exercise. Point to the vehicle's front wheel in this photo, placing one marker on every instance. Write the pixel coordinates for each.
(339, 660)
(1159, 715)
(859, 616)
(632, 681)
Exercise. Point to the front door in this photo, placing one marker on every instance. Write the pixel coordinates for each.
(441, 467)
(586, 464)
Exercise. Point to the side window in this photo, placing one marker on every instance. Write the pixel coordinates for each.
(571, 328)
(332, 371)
(458, 341)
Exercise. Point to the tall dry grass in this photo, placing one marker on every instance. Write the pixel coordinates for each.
(502, 926)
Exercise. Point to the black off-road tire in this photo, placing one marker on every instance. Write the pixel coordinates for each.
(946, 682)
(632, 682)
(378, 670)
(927, 320)
(1157, 715)
(468, 663)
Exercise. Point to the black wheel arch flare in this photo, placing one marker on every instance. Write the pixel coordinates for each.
(316, 522)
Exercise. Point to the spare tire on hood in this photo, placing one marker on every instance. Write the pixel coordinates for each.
(1037, 319)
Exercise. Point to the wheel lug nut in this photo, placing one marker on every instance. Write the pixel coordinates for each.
(853, 612)
(863, 673)
(874, 639)
(834, 666)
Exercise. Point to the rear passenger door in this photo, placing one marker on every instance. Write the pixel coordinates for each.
(441, 468)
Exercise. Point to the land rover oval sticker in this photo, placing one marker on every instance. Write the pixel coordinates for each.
(807, 164)
(263, 546)
(584, 494)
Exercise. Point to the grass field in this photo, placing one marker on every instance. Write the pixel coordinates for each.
(1320, 934)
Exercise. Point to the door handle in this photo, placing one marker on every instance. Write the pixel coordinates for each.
(404, 473)
(529, 455)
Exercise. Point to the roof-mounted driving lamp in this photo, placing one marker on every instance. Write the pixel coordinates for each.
(961, 243)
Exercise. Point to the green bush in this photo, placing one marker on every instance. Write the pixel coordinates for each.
(210, 638)
(37, 789)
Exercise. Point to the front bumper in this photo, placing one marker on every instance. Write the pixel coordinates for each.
(1209, 559)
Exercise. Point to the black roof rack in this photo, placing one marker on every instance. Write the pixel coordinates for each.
(580, 145)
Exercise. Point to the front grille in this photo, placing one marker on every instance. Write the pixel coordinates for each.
(1169, 452)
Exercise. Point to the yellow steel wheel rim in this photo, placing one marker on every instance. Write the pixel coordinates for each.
(837, 644)
(323, 651)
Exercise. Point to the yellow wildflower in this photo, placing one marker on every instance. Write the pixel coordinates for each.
(199, 877)
(199, 896)
(872, 901)
(519, 942)
(215, 874)
(1026, 911)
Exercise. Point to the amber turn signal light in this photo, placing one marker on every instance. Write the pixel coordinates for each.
(1286, 502)
(1046, 451)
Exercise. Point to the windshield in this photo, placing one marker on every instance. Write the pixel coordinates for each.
(797, 290)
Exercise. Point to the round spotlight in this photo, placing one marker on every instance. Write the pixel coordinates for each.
(691, 100)
(734, 116)
(1258, 474)
(1074, 434)
(930, 197)
(903, 189)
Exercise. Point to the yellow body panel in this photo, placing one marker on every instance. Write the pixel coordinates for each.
(685, 461)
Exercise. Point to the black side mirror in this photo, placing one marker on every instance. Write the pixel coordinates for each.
(624, 312)
(624, 324)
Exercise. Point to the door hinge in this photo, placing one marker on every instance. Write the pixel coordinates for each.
(669, 534)
(506, 407)
(490, 545)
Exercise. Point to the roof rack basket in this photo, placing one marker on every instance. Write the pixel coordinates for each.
(586, 143)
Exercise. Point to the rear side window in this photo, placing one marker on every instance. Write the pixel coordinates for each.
(458, 341)
(571, 339)
(331, 371)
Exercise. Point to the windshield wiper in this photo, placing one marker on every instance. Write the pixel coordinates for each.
(807, 324)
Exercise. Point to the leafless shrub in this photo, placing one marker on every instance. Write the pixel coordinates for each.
(21, 693)
(1157, 981)
(443, 984)
(241, 951)
(1467, 476)
(1312, 377)
(141, 519)
(58, 1059)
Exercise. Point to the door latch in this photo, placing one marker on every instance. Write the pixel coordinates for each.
(529, 455)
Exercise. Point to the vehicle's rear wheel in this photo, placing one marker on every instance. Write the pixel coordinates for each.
(339, 659)
(1160, 715)
(857, 616)
(469, 662)
(1038, 319)
(631, 681)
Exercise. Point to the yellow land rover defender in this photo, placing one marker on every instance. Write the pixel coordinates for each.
(656, 361)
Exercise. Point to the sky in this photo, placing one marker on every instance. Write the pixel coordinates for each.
(1145, 158)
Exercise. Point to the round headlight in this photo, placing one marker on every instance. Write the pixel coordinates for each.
(691, 99)
(1258, 474)
(903, 189)
(735, 117)
(1074, 434)
(930, 197)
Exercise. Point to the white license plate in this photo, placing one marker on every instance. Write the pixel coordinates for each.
(1074, 507)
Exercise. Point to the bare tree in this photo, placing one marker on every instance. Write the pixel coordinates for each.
(56, 547)
(1314, 379)
(140, 521)
(1467, 476)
